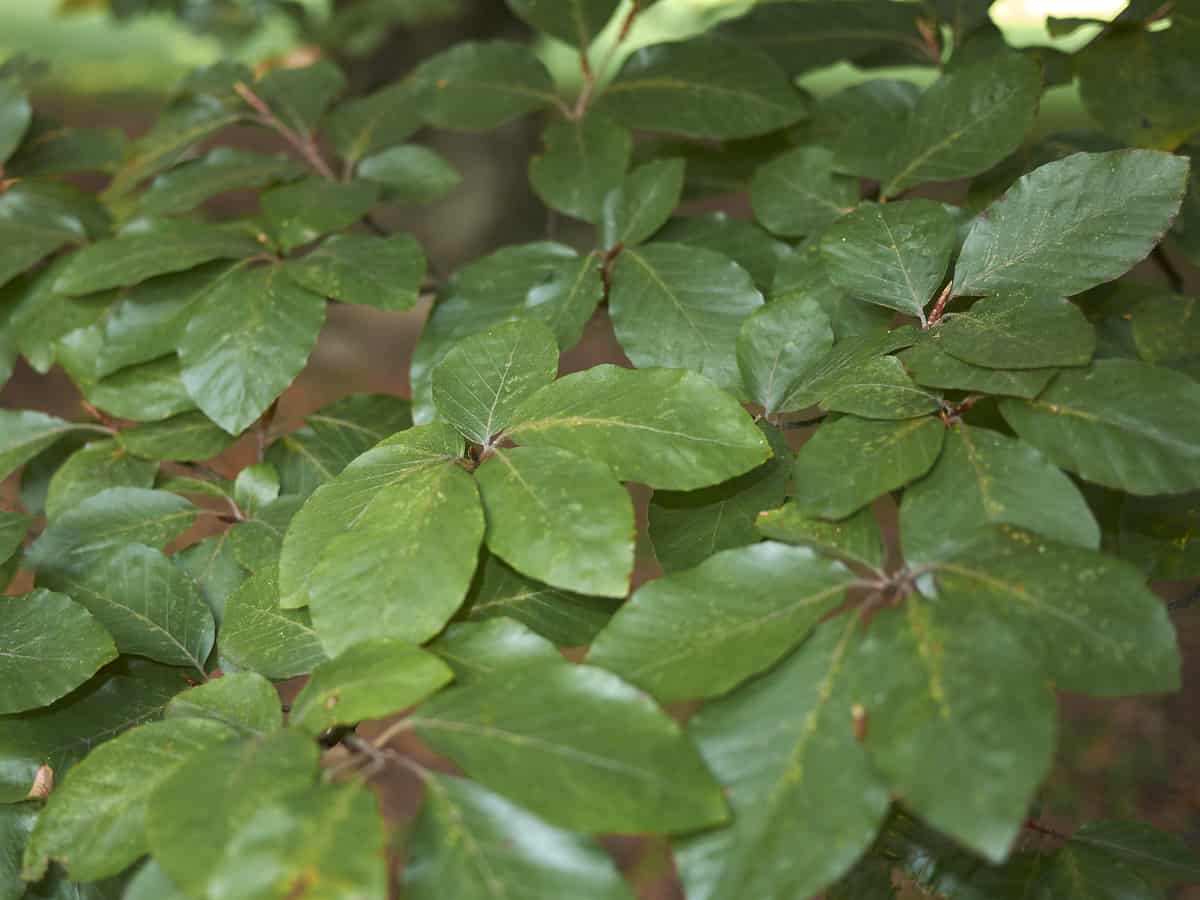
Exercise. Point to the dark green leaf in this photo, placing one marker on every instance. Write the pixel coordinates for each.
(25, 433)
(842, 364)
(244, 701)
(857, 538)
(851, 121)
(257, 542)
(60, 150)
(478, 86)
(879, 389)
(300, 96)
(1079, 872)
(13, 526)
(15, 116)
(410, 174)
(1166, 331)
(582, 161)
(211, 564)
(222, 169)
(778, 343)
(92, 469)
(1020, 331)
(631, 212)
(369, 124)
(744, 242)
(148, 392)
(803, 273)
(299, 213)
(929, 364)
(16, 822)
(575, 21)
(259, 636)
(186, 437)
(1144, 848)
(34, 222)
(482, 651)
(798, 193)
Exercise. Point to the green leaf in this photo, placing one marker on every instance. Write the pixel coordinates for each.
(985, 478)
(1084, 220)
(16, 822)
(958, 720)
(1158, 535)
(94, 822)
(1020, 331)
(582, 162)
(25, 433)
(328, 842)
(894, 255)
(803, 273)
(565, 619)
(369, 124)
(805, 799)
(49, 645)
(575, 21)
(682, 307)
(79, 539)
(1166, 331)
(631, 770)
(410, 174)
(92, 469)
(191, 815)
(703, 631)
(13, 527)
(1079, 872)
(641, 204)
(850, 122)
(842, 364)
(370, 680)
(333, 436)
(471, 844)
(677, 89)
(145, 393)
(42, 318)
(481, 86)
(211, 564)
(15, 116)
(34, 222)
(778, 343)
(560, 518)
(151, 607)
(62, 150)
(965, 123)
(745, 243)
(1146, 849)
(850, 462)
(299, 213)
(798, 193)
(879, 389)
(186, 437)
(1116, 423)
(856, 538)
(255, 487)
(665, 428)
(929, 364)
(222, 169)
(483, 651)
(257, 542)
(245, 701)
(150, 882)
(259, 636)
(300, 96)
(235, 370)
(369, 479)
(687, 527)
(1094, 624)
(149, 248)
(481, 381)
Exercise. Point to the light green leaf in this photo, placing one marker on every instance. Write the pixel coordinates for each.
(677, 89)
(1142, 847)
(985, 478)
(471, 844)
(13, 527)
(16, 822)
(894, 255)
(1020, 331)
(565, 619)
(15, 116)
(582, 161)
(257, 635)
(92, 469)
(1079, 872)
(370, 680)
(703, 631)
(34, 222)
(1094, 624)
(806, 801)
(300, 96)
(841, 364)
(25, 433)
(255, 487)
(188, 436)
(244, 701)
(299, 213)
(191, 815)
(481, 381)
(641, 204)
(850, 462)
(1166, 331)
(575, 21)
(682, 307)
(632, 770)
(879, 389)
(748, 245)
(222, 169)
(148, 392)
(49, 645)
(929, 364)
(1072, 224)
(965, 123)
(94, 822)
(687, 527)
(481, 86)
(150, 882)
(149, 249)
(384, 273)
(410, 174)
(1116, 423)
(235, 369)
(482, 651)
(666, 428)
(559, 518)
(798, 193)
(856, 538)
(778, 343)
(150, 606)
(344, 501)
(958, 720)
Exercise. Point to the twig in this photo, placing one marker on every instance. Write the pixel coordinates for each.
(302, 144)
(1174, 276)
(939, 308)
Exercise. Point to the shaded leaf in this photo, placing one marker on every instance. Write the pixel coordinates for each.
(259, 636)
(34, 222)
(1081, 871)
(575, 21)
(188, 436)
(244, 701)
(297, 214)
(879, 389)
(92, 469)
(582, 161)
(222, 169)
(365, 125)
(1020, 331)
(929, 364)
(778, 343)
(384, 273)
(745, 243)
(842, 364)
(798, 193)
(640, 205)
(1144, 848)
(410, 174)
(483, 651)
(856, 538)
(480, 86)
(300, 96)
(25, 433)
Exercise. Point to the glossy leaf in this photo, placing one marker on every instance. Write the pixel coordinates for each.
(798, 193)
(257, 635)
(410, 174)
(582, 161)
(297, 214)
(929, 364)
(222, 169)
(484, 651)
(880, 388)
(15, 116)
(26, 433)
(640, 205)
(149, 392)
(481, 86)
(384, 273)
(850, 122)
(92, 469)
(16, 822)
(188, 436)
(856, 538)
(778, 343)
(575, 21)
(33, 224)
(748, 245)
(244, 701)
(843, 363)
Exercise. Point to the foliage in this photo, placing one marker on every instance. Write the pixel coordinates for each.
(865, 706)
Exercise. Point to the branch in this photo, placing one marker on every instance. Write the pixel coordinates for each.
(302, 144)
(1174, 276)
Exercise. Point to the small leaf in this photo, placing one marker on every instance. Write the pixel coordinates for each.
(559, 518)
(929, 364)
(49, 645)
(850, 462)
(471, 844)
(895, 255)
(186, 437)
(1020, 331)
(297, 214)
(222, 169)
(384, 273)
(410, 174)
(841, 365)
(365, 125)
(16, 822)
(483, 379)
(798, 193)
(665, 428)
(1166, 331)
(244, 701)
(856, 538)
(575, 21)
(632, 770)
(1079, 872)
(1084, 220)
(861, 123)
(96, 467)
(25, 434)
(778, 343)
(1142, 847)
(300, 96)
(259, 636)
(582, 162)
(631, 212)
(15, 116)
(13, 527)
(879, 389)
(481, 86)
(703, 631)
(256, 486)
(369, 680)
(257, 542)
(34, 222)
(483, 651)
(682, 307)
(677, 89)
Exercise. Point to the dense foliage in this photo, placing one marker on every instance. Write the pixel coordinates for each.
(999, 450)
